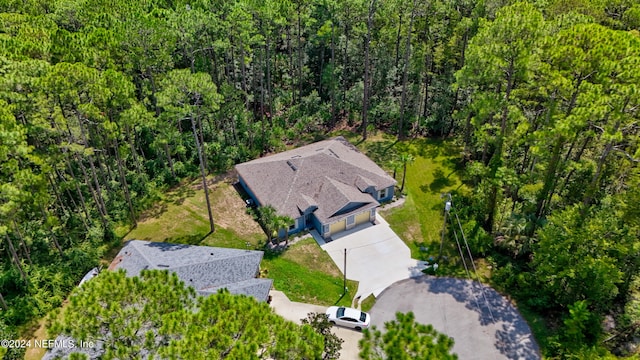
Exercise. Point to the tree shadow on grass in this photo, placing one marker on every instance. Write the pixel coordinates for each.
(176, 196)
(440, 181)
(381, 151)
(154, 212)
(179, 195)
(428, 148)
(192, 239)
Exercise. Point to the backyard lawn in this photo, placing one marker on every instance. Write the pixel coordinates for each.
(434, 171)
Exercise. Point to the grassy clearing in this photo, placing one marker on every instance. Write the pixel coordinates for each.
(434, 171)
(304, 272)
(181, 217)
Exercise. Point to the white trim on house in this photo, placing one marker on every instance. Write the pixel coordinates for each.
(383, 193)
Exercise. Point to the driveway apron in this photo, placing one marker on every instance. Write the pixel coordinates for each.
(376, 257)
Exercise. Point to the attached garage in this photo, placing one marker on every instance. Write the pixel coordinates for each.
(363, 217)
(338, 226)
(350, 222)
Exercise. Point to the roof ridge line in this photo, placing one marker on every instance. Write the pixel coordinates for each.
(144, 256)
(295, 178)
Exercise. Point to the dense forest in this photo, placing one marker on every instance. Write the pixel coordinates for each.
(104, 104)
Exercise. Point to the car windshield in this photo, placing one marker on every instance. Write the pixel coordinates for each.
(340, 312)
(363, 317)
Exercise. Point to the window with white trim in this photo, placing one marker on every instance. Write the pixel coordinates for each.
(382, 193)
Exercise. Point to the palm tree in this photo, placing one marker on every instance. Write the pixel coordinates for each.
(267, 217)
(405, 158)
(394, 164)
(286, 221)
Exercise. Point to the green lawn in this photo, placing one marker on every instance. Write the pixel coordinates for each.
(181, 217)
(307, 274)
(434, 171)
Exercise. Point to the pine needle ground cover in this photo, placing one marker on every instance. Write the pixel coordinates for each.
(304, 272)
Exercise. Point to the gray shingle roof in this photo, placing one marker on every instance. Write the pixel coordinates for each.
(202, 267)
(329, 174)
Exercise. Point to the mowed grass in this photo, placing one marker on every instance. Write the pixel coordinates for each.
(434, 171)
(307, 274)
(181, 217)
(304, 272)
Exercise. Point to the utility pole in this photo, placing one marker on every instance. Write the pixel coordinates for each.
(344, 282)
(447, 208)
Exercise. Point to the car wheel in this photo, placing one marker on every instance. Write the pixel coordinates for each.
(332, 322)
(358, 328)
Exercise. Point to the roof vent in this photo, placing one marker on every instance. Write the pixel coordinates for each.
(334, 153)
(163, 265)
(296, 156)
(293, 167)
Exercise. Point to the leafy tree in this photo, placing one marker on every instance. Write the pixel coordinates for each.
(283, 222)
(332, 343)
(9, 353)
(268, 218)
(404, 339)
(228, 326)
(577, 260)
(126, 322)
(499, 59)
(272, 223)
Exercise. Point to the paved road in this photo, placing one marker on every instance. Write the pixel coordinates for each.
(295, 311)
(491, 329)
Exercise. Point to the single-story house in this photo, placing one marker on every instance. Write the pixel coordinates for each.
(206, 269)
(328, 186)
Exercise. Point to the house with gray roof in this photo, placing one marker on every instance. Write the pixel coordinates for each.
(329, 186)
(206, 269)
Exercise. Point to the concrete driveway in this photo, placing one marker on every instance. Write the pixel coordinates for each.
(376, 257)
(482, 329)
(296, 311)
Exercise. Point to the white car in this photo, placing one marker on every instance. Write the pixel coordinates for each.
(348, 317)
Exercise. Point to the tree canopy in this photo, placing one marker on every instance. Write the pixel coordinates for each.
(155, 315)
(104, 105)
(405, 339)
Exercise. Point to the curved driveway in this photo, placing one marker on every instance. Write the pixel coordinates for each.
(483, 324)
